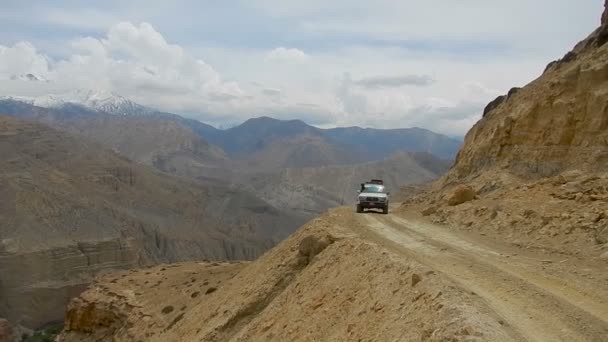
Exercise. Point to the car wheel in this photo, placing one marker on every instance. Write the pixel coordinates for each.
(385, 210)
(359, 209)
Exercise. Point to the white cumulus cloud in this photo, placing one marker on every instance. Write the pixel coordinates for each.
(287, 54)
(20, 59)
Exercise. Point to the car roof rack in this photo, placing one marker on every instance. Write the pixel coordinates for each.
(376, 181)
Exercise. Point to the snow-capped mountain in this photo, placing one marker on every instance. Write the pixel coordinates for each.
(28, 77)
(103, 101)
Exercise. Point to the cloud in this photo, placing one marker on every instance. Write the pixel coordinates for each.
(21, 59)
(293, 59)
(377, 82)
(134, 60)
(284, 54)
(391, 107)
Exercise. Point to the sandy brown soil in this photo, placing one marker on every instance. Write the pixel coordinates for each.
(137, 305)
(358, 277)
(544, 296)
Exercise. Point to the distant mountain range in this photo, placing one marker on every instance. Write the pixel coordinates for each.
(103, 101)
(189, 148)
(258, 133)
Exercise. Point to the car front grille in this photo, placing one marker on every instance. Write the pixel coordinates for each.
(372, 199)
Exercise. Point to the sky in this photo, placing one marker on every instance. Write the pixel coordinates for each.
(385, 63)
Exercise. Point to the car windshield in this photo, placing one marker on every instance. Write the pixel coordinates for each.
(374, 188)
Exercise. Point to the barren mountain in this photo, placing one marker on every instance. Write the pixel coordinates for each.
(313, 190)
(293, 165)
(510, 245)
(149, 139)
(301, 151)
(367, 144)
(537, 160)
(555, 123)
(70, 209)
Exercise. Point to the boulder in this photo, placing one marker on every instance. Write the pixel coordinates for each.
(461, 194)
(429, 211)
(6, 331)
(494, 104)
(512, 92)
(572, 175)
(312, 245)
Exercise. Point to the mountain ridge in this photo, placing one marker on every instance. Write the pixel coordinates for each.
(256, 132)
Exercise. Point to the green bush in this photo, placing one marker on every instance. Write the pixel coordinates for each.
(46, 334)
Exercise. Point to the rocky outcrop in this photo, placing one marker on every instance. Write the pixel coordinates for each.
(500, 100)
(145, 302)
(35, 287)
(494, 104)
(556, 122)
(605, 15)
(538, 161)
(461, 194)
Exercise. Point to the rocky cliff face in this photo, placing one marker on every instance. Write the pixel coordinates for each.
(535, 164)
(36, 286)
(557, 122)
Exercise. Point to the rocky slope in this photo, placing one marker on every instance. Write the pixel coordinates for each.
(536, 162)
(555, 123)
(313, 190)
(323, 283)
(70, 209)
(149, 139)
(300, 151)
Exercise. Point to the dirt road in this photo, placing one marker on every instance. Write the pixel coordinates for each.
(541, 297)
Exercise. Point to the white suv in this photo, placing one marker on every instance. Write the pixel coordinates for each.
(373, 195)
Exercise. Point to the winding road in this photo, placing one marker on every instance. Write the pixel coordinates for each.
(539, 298)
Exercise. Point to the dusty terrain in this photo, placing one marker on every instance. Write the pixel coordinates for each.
(519, 284)
(326, 282)
(145, 302)
(368, 277)
(510, 245)
(565, 214)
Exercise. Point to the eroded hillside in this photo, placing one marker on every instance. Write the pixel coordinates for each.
(70, 209)
(326, 282)
(536, 163)
(347, 276)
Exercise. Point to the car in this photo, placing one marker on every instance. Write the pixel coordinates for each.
(373, 195)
